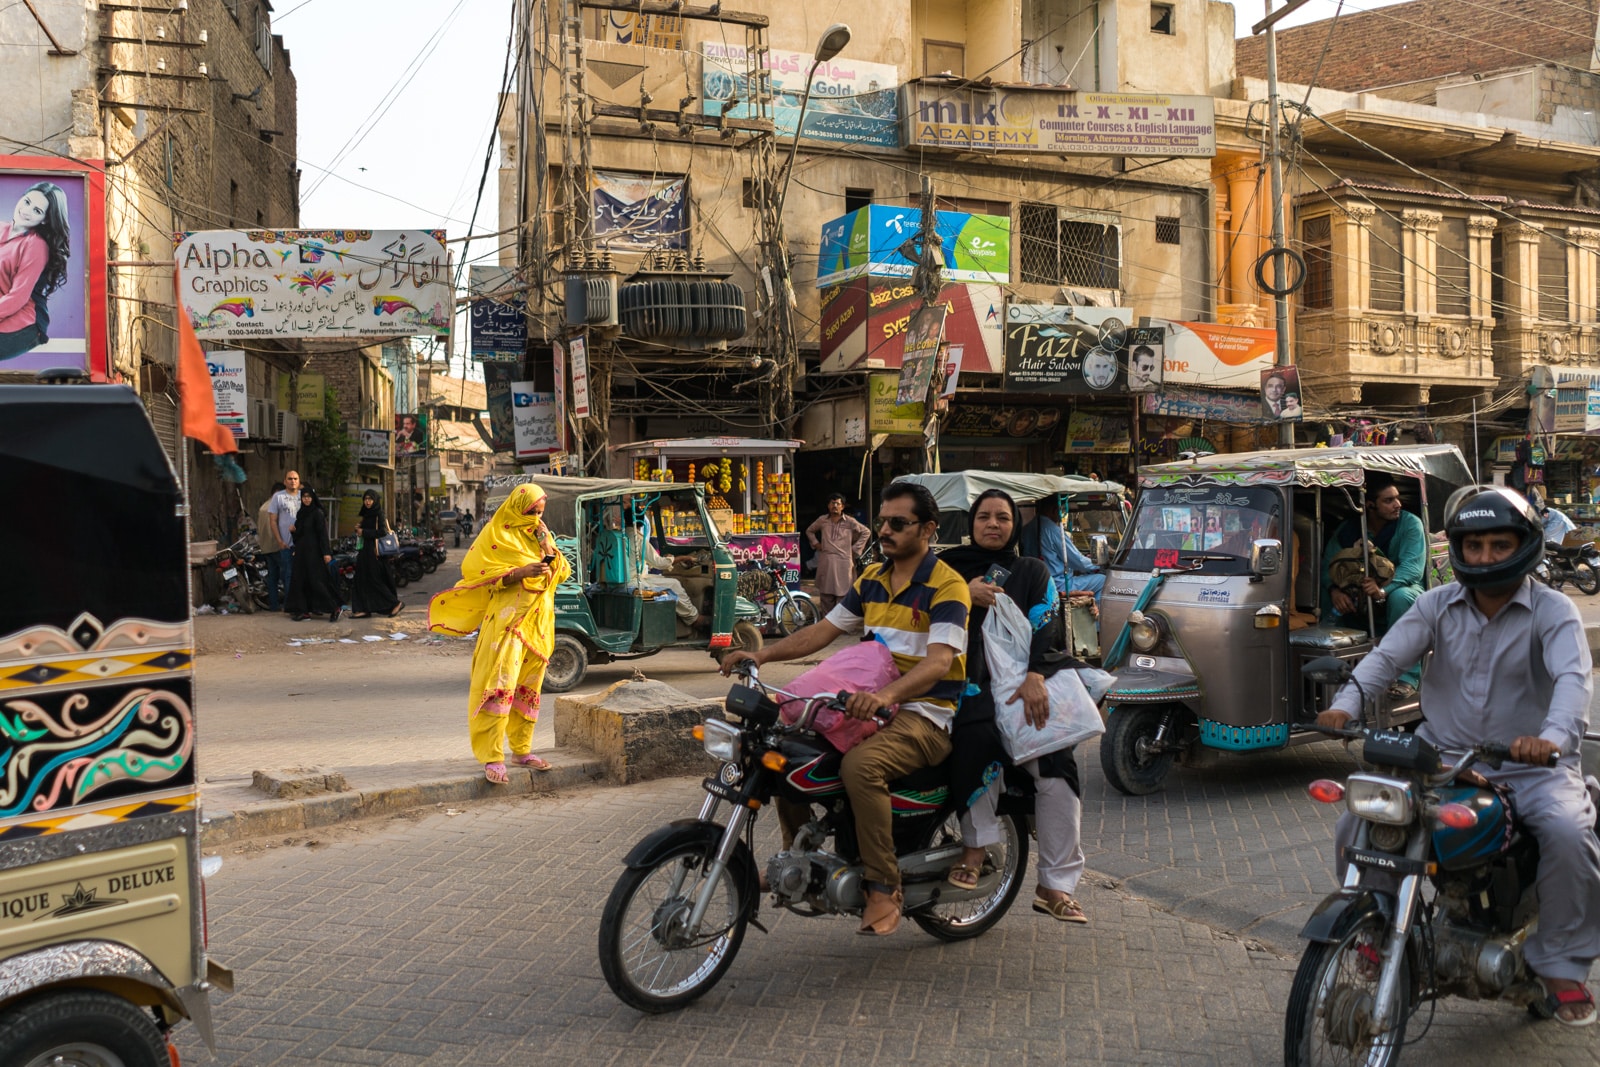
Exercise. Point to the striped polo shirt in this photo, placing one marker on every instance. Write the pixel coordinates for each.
(931, 609)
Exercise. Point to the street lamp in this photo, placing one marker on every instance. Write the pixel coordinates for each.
(831, 43)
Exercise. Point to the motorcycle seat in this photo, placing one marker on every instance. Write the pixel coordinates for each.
(924, 778)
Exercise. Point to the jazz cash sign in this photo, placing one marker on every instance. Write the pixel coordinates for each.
(939, 114)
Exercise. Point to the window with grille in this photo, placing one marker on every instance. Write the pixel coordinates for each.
(1072, 252)
(1553, 277)
(1168, 230)
(1385, 253)
(1454, 279)
(1316, 246)
(1497, 275)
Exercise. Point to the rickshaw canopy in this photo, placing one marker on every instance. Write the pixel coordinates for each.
(956, 492)
(1313, 466)
(563, 495)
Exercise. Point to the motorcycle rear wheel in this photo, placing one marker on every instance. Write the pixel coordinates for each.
(963, 920)
(1585, 578)
(645, 956)
(1333, 992)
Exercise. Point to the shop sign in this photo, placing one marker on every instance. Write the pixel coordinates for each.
(921, 353)
(1063, 348)
(559, 368)
(310, 390)
(873, 241)
(534, 421)
(228, 389)
(1212, 354)
(952, 370)
(648, 31)
(1572, 407)
(374, 448)
(852, 102)
(640, 212)
(883, 414)
(1220, 405)
(1000, 420)
(498, 323)
(580, 377)
(315, 283)
(1089, 431)
(939, 113)
(865, 321)
(411, 434)
(497, 388)
(1591, 421)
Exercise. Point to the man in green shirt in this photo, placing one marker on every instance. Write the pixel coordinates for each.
(1399, 535)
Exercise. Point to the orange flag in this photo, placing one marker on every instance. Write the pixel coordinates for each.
(196, 401)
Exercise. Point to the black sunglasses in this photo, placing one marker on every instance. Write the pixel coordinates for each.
(897, 522)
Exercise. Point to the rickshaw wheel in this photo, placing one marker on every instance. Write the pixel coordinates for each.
(1125, 754)
(746, 638)
(568, 665)
(80, 1026)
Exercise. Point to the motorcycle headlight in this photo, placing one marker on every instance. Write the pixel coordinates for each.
(1144, 631)
(721, 740)
(1378, 799)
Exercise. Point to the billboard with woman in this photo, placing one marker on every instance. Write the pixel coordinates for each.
(52, 265)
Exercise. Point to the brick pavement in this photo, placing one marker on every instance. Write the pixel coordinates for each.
(470, 939)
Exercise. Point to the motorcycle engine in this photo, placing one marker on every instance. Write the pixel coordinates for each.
(1473, 964)
(820, 879)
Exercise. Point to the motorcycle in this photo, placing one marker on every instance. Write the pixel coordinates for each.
(783, 610)
(677, 916)
(244, 587)
(1378, 948)
(1579, 564)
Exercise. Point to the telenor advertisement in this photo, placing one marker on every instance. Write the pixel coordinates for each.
(851, 102)
(237, 284)
(52, 266)
(873, 241)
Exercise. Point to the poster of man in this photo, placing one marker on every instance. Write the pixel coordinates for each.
(410, 435)
(1146, 347)
(1280, 395)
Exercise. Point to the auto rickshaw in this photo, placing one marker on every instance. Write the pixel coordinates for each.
(611, 609)
(1089, 509)
(102, 924)
(1214, 600)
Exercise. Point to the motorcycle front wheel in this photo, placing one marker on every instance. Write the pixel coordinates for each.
(1586, 578)
(649, 957)
(1331, 1000)
(796, 613)
(962, 920)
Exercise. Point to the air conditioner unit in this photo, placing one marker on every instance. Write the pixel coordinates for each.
(263, 421)
(288, 435)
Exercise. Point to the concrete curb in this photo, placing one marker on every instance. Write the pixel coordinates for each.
(1593, 634)
(271, 818)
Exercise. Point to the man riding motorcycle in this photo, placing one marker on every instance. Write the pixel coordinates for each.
(918, 607)
(1510, 659)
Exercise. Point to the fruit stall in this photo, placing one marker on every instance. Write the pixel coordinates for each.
(749, 484)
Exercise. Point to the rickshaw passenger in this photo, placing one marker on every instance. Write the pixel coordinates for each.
(1044, 539)
(644, 551)
(1399, 535)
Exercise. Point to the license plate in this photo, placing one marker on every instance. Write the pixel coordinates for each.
(231, 573)
(717, 789)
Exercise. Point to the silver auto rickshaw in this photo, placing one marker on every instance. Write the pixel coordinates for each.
(1213, 602)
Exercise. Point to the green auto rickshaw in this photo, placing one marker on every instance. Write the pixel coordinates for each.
(637, 549)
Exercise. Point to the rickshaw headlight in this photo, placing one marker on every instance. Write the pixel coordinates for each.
(1144, 631)
(1378, 799)
(721, 740)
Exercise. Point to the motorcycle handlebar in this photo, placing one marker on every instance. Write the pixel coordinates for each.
(1494, 750)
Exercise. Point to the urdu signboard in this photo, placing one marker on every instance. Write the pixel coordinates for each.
(945, 113)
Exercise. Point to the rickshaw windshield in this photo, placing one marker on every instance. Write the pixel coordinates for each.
(1173, 525)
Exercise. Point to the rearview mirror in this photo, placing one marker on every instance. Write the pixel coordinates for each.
(1266, 556)
(1100, 547)
(1328, 670)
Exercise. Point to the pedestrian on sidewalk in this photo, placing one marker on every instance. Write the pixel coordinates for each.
(268, 545)
(374, 592)
(507, 593)
(311, 591)
(281, 508)
(838, 540)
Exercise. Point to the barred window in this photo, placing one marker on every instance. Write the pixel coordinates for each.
(1497, 274)
(1316, 246)
(1385, 252)
(1073, 252)
(1455, 268)
(1552, 277)
(1169, 230)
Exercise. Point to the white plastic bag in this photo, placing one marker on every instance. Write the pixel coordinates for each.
(1096, 681)
(1007, 638)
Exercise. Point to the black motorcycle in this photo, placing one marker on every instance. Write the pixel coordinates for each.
(677, 916)
(1380, 946)
(1578, 564)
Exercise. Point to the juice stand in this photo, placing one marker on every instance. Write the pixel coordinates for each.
(749, 493)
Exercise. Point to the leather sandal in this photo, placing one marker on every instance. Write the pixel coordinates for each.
(1066, 909)
(963, 876)
(881, 916)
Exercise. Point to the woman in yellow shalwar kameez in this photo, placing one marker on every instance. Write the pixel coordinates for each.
(507, 593)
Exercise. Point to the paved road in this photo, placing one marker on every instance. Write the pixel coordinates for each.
(470, 939)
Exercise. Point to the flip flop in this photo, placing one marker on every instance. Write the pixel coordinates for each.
(538, 763)
(495, 773)
(963, 876)
(1066, 909)
(1550, 1007)
(398, 608)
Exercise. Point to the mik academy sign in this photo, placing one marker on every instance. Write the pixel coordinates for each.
(938, 114)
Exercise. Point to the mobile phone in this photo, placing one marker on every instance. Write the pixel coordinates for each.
(997, 574)
(549, 560)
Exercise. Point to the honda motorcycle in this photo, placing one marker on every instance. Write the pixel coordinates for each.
(1579, 564)
(677, 916)
(1383, 944)
(783, 610)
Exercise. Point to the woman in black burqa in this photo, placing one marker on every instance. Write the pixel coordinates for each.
(978, 759)
(311, 588)
(374, 592)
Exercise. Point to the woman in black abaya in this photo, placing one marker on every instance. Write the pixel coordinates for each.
(311, 588)
(978, 757)
(374, 591)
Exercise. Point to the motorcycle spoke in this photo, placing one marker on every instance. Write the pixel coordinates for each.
(665, 898)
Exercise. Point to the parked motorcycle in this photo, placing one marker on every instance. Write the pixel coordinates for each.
(244, 587)
(1377, 948)
(1578, 564)
(783, 610)
(677, 916)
